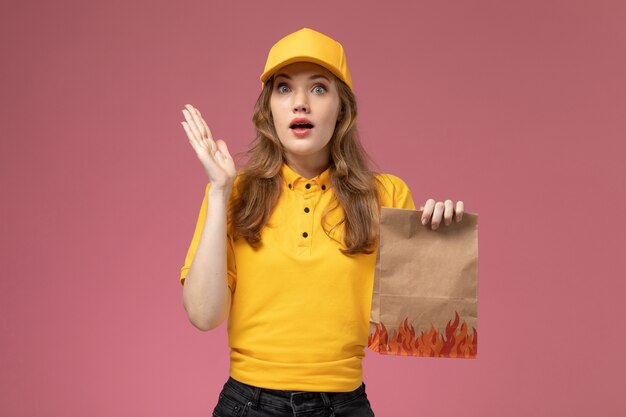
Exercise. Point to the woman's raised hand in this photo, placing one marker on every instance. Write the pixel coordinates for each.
(214, 156)
(439, 209)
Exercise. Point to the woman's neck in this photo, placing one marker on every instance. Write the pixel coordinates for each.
(306, 167)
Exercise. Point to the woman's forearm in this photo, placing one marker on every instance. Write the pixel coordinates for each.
(206, 296)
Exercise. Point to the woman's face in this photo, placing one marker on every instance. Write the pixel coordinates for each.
(305, 90)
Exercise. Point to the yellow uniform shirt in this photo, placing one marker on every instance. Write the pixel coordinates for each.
(299, 318)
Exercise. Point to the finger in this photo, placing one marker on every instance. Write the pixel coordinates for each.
(195, 126)
(429, 206)
(190, 135)
(206, 127)
(196, 117)
(198, 145)
(192, 124)
(437, 215)
(222, 148)
(459, 210)
(188, 112)
(448, 212)
(219, 154)
(208, 136)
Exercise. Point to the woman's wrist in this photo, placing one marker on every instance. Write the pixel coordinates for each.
(217, 193)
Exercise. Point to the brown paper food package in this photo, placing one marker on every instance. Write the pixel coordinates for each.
(424, 300)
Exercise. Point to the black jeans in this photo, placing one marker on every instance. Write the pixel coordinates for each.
(238, 400)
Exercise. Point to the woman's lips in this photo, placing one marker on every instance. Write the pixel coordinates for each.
(301, 131)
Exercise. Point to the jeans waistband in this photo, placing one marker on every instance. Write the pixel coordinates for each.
(256, 394)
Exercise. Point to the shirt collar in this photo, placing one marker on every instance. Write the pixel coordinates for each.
(294, 180)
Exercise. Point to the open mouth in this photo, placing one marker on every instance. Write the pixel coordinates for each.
(301, 126)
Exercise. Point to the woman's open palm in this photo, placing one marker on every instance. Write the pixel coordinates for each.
(214, 155)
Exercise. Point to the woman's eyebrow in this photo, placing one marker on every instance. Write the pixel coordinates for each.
(312, 77)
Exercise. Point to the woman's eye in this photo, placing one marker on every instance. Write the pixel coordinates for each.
(282, 88)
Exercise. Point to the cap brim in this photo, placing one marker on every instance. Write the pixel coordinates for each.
(271, 71)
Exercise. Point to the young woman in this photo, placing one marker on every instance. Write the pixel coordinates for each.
(286, 247)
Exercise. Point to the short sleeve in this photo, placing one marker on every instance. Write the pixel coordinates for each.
(231, 268)
(394, 192)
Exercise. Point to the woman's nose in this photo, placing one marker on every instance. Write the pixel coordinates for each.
(300, 102)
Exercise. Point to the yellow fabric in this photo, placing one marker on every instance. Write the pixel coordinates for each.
(311, 46)
(300, 310)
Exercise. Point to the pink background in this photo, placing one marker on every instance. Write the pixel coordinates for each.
(516, 108)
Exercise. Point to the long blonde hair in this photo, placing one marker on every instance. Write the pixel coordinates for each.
(353, 183)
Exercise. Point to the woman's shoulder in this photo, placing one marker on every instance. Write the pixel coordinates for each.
(390, 179)
(394, 192)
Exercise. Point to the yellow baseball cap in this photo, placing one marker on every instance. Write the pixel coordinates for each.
(311, 46)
